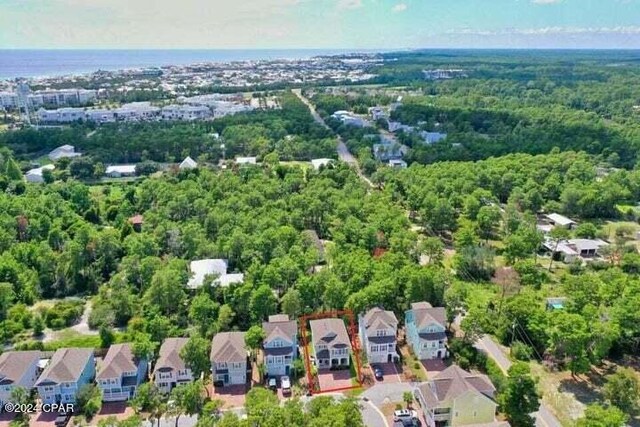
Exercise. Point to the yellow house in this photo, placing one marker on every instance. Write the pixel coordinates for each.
(456, 397)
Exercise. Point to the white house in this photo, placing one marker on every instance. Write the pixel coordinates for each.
(69, 369)
(397, 163)
(280, 345)
(36, 175)
(63, 151)
(229, 359)
(188, 163)
(378, 330)
(119, 171)
(246, 160)
(426, 331)
(17, 369)
(120, 373)
(170, 370)
(558, 220)
(331, 343)
(204, 267)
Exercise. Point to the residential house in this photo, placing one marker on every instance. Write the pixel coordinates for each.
(170, 370)
(455, 397)
(17, 369)
(119, 171)
(387, 151)
(425, 331)
(121, 373)
(246, 160)
(558, 220)
(229, 359)
(188, 163)
(63, 151)
(331, 343)
(432, 137)
(218, 267)
(68, 370)
(280, 345)
(557, 303)
(37, 175)
(572, 249)
(137, 221)
(397, 163)
(377, 113)
(378, 329)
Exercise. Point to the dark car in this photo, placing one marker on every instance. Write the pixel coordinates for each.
(62, 419)
(377, 372)
(273, 384)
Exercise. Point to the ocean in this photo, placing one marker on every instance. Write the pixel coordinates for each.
(48, 63)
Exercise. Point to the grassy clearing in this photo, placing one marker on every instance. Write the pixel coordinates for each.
(71, 338)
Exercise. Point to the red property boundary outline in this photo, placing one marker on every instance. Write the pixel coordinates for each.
(352, 330)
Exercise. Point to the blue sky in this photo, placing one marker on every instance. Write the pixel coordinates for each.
(349, 24)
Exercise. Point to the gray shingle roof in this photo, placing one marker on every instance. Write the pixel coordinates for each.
(425, 314)
(279, 326)
(452, 383)
(119, 359)
(65, 366)
(228, 347)
(377, 318)
(14, 365)
(169, 357)
(331, 332)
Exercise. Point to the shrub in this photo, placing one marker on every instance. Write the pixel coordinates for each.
(521, 351)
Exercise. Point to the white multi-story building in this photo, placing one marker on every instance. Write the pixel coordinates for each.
(186, 112)
(120, 373)
(331, 343)
(229, 359)
(378, 330)
(170, 370)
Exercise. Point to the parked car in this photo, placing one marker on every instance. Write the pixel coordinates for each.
(405, 414)
(273, 384)
(62, 419)
(285, 383)
(377, 372)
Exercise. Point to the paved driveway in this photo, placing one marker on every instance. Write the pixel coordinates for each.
(233, 396)
(390, 373)
(334, 379)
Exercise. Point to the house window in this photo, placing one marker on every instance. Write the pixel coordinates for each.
(374, 348)
(277, 344)
(381, 333)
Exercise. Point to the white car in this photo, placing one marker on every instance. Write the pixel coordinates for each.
(405, 414)
(285, 383)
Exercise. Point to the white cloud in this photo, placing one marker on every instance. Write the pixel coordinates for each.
(349, 4)
(627, 30)
(400, 7)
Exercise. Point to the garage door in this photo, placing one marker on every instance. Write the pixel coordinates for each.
(238, 379)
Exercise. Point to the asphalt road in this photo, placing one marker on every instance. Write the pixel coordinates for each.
(343, 152)
(544, 417)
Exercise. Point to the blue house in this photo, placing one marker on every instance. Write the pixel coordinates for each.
(426, 331)
(280, 345)
(68, 370)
